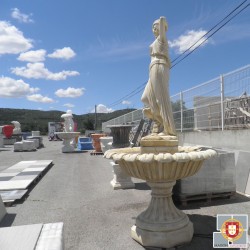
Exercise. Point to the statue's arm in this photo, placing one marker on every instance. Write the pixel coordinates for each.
(162, 31)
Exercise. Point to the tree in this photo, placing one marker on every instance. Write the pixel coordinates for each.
(89, 124)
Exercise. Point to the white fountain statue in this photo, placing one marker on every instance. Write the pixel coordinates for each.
(68, 135)
(17, 127)
(159, 160)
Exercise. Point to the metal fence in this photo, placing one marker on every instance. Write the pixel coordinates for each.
(221, 103)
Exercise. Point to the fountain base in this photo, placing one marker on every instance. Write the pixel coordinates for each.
(67, 147)
(163, 239)
(162, 224)
(67, 137)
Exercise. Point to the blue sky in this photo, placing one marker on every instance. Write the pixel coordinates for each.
(60, 55)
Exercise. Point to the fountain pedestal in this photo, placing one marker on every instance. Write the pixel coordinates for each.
(67, 137)
(162, 224)
(120, 135)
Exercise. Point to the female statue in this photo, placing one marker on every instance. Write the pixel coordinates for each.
(156, 94)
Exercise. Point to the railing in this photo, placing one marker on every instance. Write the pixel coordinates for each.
(221, 103)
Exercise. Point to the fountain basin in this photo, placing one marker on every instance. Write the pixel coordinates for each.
(163, 166)
(67, 137)
(161, 224)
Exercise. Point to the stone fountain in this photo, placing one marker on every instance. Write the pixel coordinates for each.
(159, 160)
(68, 135)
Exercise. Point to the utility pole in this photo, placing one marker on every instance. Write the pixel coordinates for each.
(95, 118)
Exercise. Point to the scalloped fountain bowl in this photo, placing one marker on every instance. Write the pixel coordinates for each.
(67, 137)
(163, 166)
(161, 224)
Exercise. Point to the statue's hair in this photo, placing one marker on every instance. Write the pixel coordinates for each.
(158, 21)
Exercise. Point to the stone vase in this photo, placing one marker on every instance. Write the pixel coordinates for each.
(96, 142)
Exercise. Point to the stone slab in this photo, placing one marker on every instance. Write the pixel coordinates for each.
(20, 237)
(12, 195)
(5, 178)
(25, 177)
(8, 174)
(29, 173)
(16, 184)
(51, 237)
(35, 168)
(22, 174)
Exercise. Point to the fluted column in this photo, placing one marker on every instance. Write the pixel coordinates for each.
(162, 224)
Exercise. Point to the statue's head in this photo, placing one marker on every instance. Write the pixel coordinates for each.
(66, 117)
(156, 28)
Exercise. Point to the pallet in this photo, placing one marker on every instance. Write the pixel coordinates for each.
(207, 197)
(96, 153)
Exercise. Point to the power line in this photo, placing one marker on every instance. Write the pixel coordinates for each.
(210, 36)
(209, 31)
(127, 96)
(141, 87)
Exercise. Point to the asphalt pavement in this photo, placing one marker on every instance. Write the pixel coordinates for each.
(76, 190)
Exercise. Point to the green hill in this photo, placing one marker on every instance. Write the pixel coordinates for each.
(32, 120)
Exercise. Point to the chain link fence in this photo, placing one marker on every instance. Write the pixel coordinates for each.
(221, 103)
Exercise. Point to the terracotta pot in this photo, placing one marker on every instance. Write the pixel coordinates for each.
(96, 141)
(8, 130)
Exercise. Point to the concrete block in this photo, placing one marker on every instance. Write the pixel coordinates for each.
(35, 133)
(243, 171)
(37, 142)
(2, 209)
(216, 175)
(37, 137)
(1, 141)
(20, 237)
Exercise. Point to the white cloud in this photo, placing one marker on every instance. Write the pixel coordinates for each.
(64, 53)
(70, 92)
(69, 105)
(21, 17)
(185, 41)
(10, 87)
(100, 108)
(38, 71)
(126, 102)
(39, 98)
(33, 56)
(12, 40)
